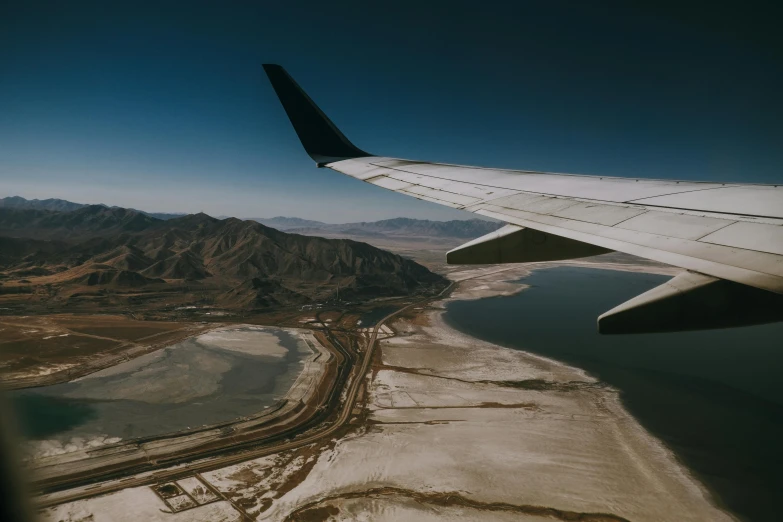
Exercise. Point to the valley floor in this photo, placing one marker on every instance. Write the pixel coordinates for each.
(452, 428)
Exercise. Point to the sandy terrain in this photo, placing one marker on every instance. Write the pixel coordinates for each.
(83, 454)
(135, 504)
(46, 349)
(461, 429)
(458, 429)
(253, 341)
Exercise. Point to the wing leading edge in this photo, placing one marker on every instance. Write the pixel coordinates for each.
(728, 237)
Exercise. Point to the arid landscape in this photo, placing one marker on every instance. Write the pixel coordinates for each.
(379, 262)
(444, 427)
(422, 240)
(314, 405)
(44, 349)
(116, 259)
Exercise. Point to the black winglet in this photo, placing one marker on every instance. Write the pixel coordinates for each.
(321, 139)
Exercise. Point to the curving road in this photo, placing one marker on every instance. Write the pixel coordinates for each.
(185, 470)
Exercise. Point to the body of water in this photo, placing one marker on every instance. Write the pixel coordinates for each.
(214, 378)
(714, 397)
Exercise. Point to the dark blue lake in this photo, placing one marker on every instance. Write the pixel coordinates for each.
(715, 397)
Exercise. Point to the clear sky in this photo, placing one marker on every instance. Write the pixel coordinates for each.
(164, 106)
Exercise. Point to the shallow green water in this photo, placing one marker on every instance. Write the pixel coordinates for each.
(183, 386)
(715, 398)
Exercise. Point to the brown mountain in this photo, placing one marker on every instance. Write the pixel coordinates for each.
(66, 206)
(234, 263)
(397, 227)
(84, 222)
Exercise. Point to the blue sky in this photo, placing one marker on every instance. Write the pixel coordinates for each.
(164, 106)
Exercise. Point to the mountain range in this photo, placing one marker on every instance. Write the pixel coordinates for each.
(55, 204)
(122, 256)
(389, 228)
(400, 227)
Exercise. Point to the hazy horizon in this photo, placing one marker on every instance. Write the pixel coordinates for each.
(158, 107)
(461, 216)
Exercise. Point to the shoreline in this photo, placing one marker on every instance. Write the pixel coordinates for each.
(314, 367)
(657, 446)
(544, 439)
(451, 427)
(62, 373)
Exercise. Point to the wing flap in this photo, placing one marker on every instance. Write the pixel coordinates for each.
(452, 197)
(389, 183)
(764, 271)
(599, 214)
(682, 226)
(469, 189)
(759, 237)
(747, 200)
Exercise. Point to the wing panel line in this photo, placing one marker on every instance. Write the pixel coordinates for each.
(633, 202)
(746, 276)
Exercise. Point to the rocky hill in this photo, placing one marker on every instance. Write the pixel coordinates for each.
(84, 222)
(236, 263)
(397, 227)
(39, 204)
(61, 205)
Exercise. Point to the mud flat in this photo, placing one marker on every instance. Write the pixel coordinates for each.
(185, 387)
(463, 429)
(41, 350)
(712, 397)
(454, 428)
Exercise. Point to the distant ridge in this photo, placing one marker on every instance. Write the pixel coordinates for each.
(397, 227)
(85, 222)
(61, 205)
(284, 223)
(400, 227)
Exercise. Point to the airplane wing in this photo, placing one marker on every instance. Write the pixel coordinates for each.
(728, 237)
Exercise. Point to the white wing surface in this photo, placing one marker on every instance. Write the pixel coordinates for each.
(727, 231)
(719, 232)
